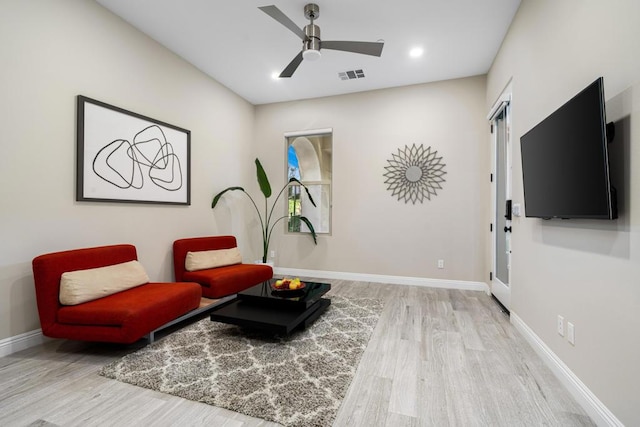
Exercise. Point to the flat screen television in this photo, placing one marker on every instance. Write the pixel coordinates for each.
(565, 161)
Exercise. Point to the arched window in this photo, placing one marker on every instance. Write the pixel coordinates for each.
(309, 159)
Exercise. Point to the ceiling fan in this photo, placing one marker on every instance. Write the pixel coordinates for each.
(311, 43)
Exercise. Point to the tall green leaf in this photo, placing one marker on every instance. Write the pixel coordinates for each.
(311, 230)
(263, 181)
(220, 194)
(305, 189)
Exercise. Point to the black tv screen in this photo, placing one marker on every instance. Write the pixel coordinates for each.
(565, 161)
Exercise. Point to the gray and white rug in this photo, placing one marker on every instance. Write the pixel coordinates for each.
(299, 380)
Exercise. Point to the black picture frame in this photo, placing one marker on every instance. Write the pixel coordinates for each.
(126, 157)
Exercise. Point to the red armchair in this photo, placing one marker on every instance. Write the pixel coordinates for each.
(217, 282)
(123, 317)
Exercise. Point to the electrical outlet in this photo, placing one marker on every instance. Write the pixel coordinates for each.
(273, 254)
(571, 333)
(440, 263)
(560, 325)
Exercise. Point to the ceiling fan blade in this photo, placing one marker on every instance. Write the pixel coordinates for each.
(277, 14)
(293, 65)
(365, 48)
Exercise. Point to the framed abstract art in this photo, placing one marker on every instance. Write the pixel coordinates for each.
(126, 157)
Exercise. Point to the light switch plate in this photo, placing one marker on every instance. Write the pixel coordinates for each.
(516, 209)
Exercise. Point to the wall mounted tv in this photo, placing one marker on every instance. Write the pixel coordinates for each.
(565, 161)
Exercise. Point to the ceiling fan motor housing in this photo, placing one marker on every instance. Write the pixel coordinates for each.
(311, 44)
(312, 41)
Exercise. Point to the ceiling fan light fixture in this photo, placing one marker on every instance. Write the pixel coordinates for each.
(311, 54)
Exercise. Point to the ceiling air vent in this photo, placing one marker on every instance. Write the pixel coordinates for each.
(350, 75)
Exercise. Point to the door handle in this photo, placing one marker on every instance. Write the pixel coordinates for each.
(507, 214)
(507, 229)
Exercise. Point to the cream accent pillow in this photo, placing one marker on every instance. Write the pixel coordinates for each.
(202, 260)
(81, 286)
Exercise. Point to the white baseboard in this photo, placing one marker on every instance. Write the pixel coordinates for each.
(379, 278)
(598, 412)
(21, 342)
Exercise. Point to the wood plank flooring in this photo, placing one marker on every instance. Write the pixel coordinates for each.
(436, 358)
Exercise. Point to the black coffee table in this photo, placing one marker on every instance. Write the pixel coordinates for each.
(279, 312)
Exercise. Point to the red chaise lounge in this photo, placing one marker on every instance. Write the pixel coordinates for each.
(124, 316)
(221, 280)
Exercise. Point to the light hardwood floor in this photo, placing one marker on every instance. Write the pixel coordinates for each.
(436, 358)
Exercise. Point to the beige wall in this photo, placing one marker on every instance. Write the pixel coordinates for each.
(373, 232)
(53, 51)
(587, 271)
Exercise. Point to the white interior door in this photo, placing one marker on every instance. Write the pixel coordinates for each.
(501, 236)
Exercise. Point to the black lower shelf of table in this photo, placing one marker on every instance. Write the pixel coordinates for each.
(251, 315)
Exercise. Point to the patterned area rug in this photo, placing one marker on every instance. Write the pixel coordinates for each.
(299, 380)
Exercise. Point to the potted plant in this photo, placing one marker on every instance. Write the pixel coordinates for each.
(267, 222)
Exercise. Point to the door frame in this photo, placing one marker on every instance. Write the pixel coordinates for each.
(501, 290)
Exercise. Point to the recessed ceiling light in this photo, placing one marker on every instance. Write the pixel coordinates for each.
(275, 75)
(416, 52)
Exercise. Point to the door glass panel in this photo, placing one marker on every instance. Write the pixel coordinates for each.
(501, 243)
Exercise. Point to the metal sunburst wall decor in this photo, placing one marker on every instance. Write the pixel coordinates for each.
(415, 173)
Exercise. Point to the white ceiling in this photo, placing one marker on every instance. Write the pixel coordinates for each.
(241, 47)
